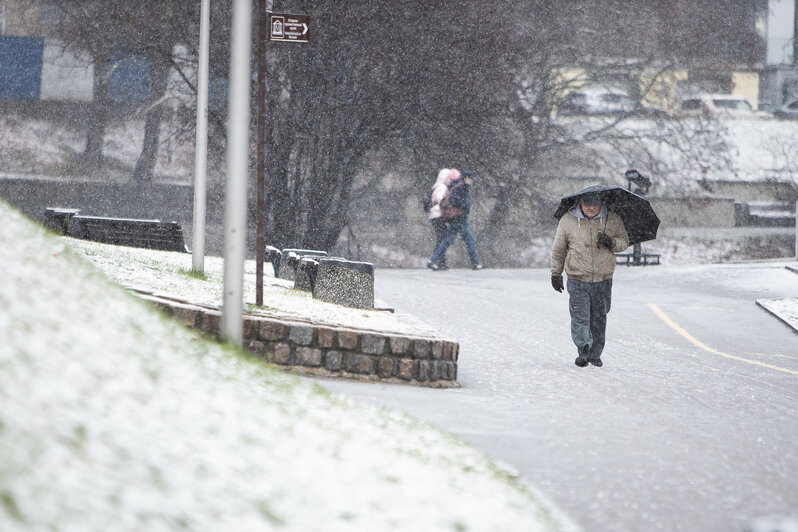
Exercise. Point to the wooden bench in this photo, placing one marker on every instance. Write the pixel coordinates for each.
(57, 219)
(150, 234)
(644, 259)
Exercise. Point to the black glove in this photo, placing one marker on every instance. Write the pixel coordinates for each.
(556, 282)
(604, 240)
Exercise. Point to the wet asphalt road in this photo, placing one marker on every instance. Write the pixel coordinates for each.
(692, 423)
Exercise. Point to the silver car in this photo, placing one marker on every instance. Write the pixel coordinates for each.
(788, 110)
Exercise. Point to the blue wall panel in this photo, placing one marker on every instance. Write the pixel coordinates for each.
(130, 78)
(21, 67)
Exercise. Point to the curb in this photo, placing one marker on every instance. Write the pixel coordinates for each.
(328, 350)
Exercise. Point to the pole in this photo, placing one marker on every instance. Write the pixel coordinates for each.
(201, 150)
(261, 150)
(235, 210)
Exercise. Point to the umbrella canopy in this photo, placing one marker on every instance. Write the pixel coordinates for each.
(639, 219)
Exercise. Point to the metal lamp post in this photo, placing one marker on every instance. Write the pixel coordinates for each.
(235, 209)
(201, 141)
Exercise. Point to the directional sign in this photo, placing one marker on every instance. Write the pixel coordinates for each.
(289, 28)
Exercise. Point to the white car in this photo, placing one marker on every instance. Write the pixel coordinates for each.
(604, 101)
(596, 101)
(720, 105)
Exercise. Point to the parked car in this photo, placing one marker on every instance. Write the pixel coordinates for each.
(788, 110)
(720, 105)
(596, 101)
(604, 101)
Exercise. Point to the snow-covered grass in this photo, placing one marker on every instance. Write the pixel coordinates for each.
(115, 418)
(785, 309)
(170, 273)
(50, 147)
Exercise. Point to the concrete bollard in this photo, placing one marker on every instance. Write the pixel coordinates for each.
(306, 274)
(272, 254)
(345, 282)
(288, 265)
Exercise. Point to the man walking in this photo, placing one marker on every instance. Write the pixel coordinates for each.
(587, 238)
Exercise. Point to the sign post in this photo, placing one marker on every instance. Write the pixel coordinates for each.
(260, 247)
(289, 28)
(285, 28)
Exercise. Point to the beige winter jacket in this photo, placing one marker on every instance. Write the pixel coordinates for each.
(575, 246)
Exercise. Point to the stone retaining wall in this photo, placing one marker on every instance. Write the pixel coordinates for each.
(331, 351)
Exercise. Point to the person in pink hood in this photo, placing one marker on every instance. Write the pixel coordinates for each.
(439, 189)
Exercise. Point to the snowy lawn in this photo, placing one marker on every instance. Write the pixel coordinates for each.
(169, 273)
(785, 309)
(115, 418)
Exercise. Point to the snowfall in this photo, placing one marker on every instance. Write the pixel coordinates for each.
(113, 417)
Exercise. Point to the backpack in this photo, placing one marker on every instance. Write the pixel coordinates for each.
(448, 211)
(426, 201)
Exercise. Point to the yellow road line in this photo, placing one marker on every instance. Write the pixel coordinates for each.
(770, 355)
(664, 317)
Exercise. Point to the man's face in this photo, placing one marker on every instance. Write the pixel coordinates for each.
(467, 180)
(590, 211)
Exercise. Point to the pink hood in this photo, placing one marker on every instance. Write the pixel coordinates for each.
(439, 191)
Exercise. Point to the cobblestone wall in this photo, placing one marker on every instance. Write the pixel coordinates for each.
(332, 351)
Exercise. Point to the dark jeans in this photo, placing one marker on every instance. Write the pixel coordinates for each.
(440, 233)
(589, 304)
(457, 226)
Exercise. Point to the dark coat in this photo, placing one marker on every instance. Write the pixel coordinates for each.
(461, 196)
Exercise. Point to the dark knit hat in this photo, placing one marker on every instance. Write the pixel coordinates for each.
(591, 198)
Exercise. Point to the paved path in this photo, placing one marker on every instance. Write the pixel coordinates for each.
(690, 425)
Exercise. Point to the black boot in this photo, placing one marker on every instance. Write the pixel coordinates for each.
(581, 360)
(595, 359)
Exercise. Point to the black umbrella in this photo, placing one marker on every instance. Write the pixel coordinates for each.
(638, 217)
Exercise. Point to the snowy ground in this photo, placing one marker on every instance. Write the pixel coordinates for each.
(114, 418)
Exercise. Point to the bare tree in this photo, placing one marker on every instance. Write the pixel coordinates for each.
(419, 76)
(150, 29)
(422, 82)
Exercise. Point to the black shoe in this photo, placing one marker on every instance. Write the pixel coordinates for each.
(581, 360)
(443, 267)
(478, 267)
(432, 266)
(596, 362)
